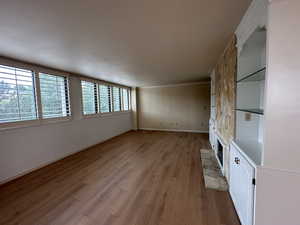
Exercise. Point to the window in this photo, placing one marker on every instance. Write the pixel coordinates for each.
(113, 99)
(116, 99)
(27, 95)
(89, 98)
(105, 98)
(17, 95)
(125, 97)
(54, 96)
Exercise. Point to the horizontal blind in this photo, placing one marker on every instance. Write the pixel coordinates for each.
(17, 95)
(125, 96)
(54, 96)
(105, 98)
(89, 97)
(116, 99)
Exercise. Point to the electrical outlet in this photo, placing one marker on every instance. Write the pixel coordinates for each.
(247, 116)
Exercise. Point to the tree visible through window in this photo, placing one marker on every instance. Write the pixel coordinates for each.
(54, 96)
(17, 95)
(105, 98)
(116, 99)
(89, 97)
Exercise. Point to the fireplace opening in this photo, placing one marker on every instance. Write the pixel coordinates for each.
(220, 153)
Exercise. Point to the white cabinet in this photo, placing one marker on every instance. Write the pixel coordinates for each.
(241, 185)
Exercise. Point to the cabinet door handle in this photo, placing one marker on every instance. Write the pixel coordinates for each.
(237, 160)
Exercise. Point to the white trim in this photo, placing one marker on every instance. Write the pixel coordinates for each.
(34, 123)
(220, 137)
(175, 130)
(19, 124)
(56, 160)
(255, 17)
(178, 85)
(107, 114)
(225, 147)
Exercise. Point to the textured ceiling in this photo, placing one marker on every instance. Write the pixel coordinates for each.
(132, 42)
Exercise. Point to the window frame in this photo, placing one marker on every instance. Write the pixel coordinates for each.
(96, 98)
(68, 98)
(119, 100)
(111, 97)
(128, 99)
(112, 112)
(21, 122)
(36, 70)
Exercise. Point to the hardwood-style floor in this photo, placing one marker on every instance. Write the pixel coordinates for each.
(138, 178)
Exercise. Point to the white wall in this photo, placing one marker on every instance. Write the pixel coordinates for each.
(277, 200)
(24, 149)
(184, 107)
(278, 182)
(282, 120)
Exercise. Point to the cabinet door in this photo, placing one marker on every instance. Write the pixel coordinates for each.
(241, 186)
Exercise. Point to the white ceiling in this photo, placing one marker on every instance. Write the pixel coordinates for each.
(132, 42)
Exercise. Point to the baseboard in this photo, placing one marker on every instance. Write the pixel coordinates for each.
(5, 181)
(175, 130)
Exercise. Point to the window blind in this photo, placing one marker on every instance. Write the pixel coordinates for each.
(17, 95)
(54, 96)
(125, 97)
(89, 97)
(105, 98)
(116, 99)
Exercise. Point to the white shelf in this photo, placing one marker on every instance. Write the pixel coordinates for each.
(255, 111)
(258, 75)
(252, 149)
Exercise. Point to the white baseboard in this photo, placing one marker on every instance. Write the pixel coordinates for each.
(176, 130)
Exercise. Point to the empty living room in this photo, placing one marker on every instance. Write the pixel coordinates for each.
(149, 112)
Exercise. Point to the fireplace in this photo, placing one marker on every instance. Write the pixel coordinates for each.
(220, 150)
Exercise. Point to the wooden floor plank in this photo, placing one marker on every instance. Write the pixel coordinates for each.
(138, 178)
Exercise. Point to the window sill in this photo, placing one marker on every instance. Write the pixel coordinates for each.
(48, 121)
(109, 114)
(89, 116)
(55, 120)
(33, 123)
(114, 113)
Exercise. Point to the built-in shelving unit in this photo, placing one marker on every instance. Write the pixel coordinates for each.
(250, 96)
(264, 155)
